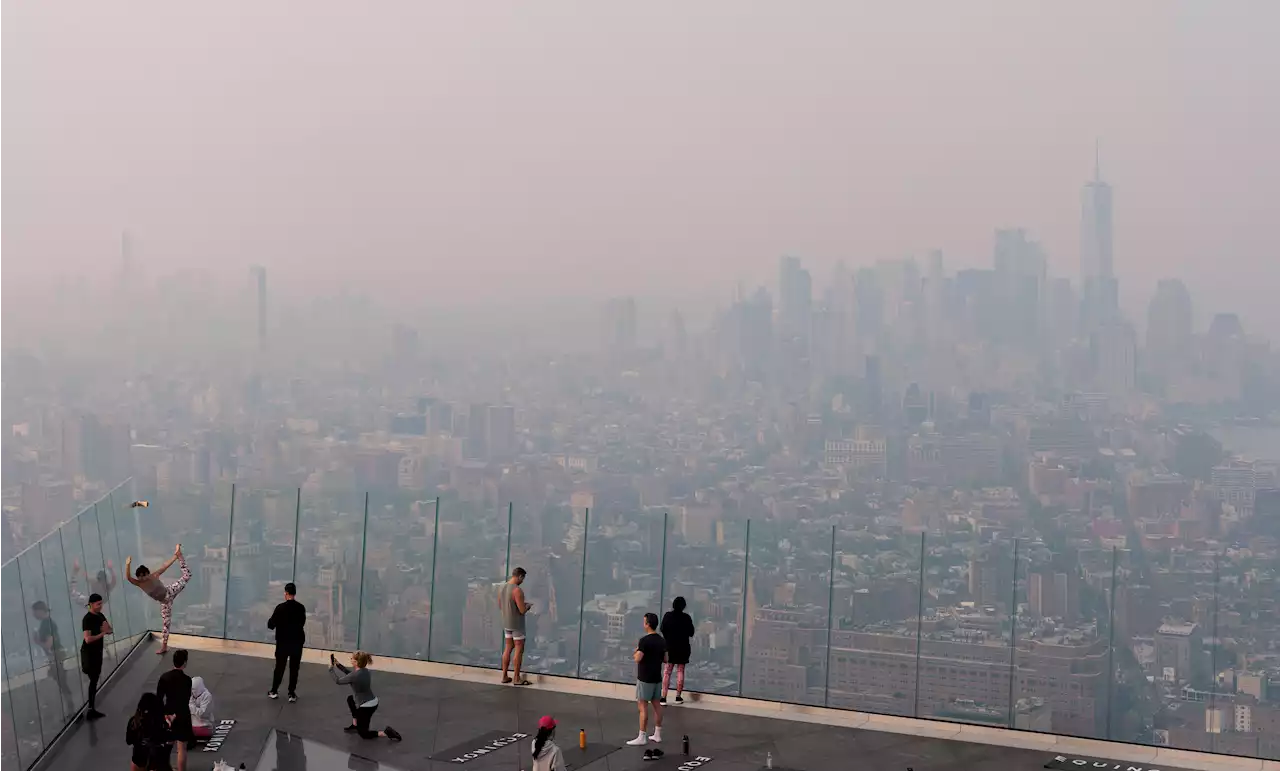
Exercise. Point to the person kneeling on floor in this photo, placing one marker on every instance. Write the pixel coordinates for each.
(202, 719)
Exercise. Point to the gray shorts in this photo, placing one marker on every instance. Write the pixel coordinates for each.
(513, 634)
(648, 691)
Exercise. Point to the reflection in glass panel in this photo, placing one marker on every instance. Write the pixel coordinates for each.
(79, 589)
(703, 564)
(8, 738)
(261, 559)
(289, 752)
(51, 690)
(624, 567)
(876, 621)
(63, 618)
(330, 535)
(547, 542)
(18, 666)
(471, 560)
(397, 574)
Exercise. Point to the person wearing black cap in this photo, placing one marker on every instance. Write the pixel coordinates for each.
(95, 627)
(288, 620)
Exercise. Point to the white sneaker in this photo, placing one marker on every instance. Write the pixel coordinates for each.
(657, 735)
(639, 741)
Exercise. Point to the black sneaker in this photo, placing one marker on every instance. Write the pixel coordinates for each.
(679, 700)
(648, 755)
(663, 701)
(93, 714)
(350, 729)
(392, 734)
(293, 698)
(272, 695)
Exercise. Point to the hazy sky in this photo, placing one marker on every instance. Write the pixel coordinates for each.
(487, 150)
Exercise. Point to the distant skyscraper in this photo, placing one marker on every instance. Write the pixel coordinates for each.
(1169, 327)
(260, 274)
(1021, 272)
(795, 298)
(477, 447)
(1095, 228)
(1100, 299)
(502, 431)
(620, 324)
(1113, 347)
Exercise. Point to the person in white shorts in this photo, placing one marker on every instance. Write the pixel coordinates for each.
(512, 604)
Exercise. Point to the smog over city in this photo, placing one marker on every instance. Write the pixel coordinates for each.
(888, 335)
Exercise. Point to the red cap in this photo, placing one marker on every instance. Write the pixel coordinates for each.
(547, 722)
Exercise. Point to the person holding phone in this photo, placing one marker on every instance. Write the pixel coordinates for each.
(362, 702)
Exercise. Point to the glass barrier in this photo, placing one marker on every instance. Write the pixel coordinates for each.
(330, 544)
(263, 525)
(61, 626)
(471, 564)
(623, 583)
(703, 563)
(24, 707)
(50, 692)
(198, 517)
(788, 612)
(546, 540)
(979, 628)
(876, 623)
(8, 736)
(400, 540)
(140, 613)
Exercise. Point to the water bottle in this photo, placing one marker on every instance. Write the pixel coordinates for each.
(582, 738)
(768, 760)
(686, 744)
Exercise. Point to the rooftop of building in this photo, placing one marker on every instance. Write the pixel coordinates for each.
(443, 714)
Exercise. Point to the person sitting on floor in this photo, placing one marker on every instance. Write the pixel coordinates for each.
(202, 719)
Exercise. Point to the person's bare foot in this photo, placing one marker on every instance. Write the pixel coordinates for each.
(177, 550)
(162, 651)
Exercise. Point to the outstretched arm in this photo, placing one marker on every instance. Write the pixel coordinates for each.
(128, 571)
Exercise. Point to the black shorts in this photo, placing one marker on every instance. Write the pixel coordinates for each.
(91, 663)
(182, 730)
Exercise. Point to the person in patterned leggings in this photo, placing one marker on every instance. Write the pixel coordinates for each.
(150, 583)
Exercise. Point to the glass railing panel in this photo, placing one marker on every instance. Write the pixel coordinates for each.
(18, 662)
(787, 612)
(547, 541)
(121, 602)
(198, 517)
(471, 563)
(126, 524)
(79, 587)
(95, 564)
(63, 622)
(330, 542)
(875, 622)
(704, 560)
(623, 583)
(395, 616)
(8, 736)
(1062, 648)
(50, 692)
(262, 540)
(965, 631)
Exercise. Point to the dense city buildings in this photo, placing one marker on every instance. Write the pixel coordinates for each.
(970, 495)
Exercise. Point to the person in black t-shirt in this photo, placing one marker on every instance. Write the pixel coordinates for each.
(174, 690)
(95, 627)
(650, 653)
(46, 636)
(288, 620)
